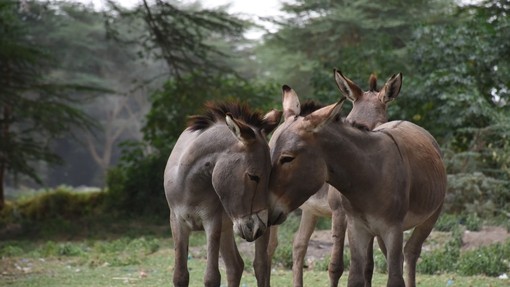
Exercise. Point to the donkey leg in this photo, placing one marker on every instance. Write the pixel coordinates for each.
(338, 228)
(262, 262)
(180, 235)
(212, 277)
(359, 240)
(413, 247)
(300, 245)
(230, 254)
(393, 240)
(369, 266)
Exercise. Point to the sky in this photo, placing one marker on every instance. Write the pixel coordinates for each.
(244, 8)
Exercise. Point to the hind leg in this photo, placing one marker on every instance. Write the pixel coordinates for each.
(212, 227)
(412, 249)
(230, 254)
(300, 245)
(180, 235)
(338, 227)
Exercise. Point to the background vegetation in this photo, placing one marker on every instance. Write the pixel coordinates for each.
(98, 98)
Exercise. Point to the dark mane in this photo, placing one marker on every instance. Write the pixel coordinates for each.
(216, 112)
(309, 106)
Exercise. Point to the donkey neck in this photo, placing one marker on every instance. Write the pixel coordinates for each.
(205, 149)
(355, 159)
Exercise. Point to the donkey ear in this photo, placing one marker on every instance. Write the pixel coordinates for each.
(290, 101)
(347, 87)
(271, 121)
(240, 130)
(391, 89)
(320, 118)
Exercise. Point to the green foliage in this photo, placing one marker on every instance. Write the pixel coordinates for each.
(477, 194)
(323, 223)
(180, 35)
(283, 255)
(473, 222)
(36, 109)
(380, 263)
(491, 260)
(447, 222)
(59, 204)
(135, 186)
(443, 259)
(322, 264)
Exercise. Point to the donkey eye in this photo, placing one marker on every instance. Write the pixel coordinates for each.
(254, 177)
(286, 159)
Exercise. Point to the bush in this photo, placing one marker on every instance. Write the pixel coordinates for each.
(473, 222)
(447, 222)
(60, 204)
(476, 193)
(489, 260)
(442, 260)
(135, 186)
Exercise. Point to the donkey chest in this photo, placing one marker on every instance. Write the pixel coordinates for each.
(194, 216)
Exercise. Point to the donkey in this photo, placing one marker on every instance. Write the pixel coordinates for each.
(391, 179)
(216, 179)
(369, 110)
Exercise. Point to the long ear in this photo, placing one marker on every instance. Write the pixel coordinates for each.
(391, 89)
(320, 118)
(271, 121)
(347, 87)
(290, 101)
(240, 130)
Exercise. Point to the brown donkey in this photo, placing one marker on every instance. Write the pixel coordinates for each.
(217, 176)
(368, 111)
(391, 179)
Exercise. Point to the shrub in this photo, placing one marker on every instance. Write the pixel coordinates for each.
(442, 260)
(489, 260)
(135, 186)
(283, 255)
(477, 193)
(473, 222)
(447, 222)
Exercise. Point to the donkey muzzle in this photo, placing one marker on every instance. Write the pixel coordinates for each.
(252, 226)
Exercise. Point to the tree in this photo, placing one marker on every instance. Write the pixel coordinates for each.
(358, 37)
(34, 109)
(181, 36)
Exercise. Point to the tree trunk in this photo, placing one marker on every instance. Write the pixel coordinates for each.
(3, 156)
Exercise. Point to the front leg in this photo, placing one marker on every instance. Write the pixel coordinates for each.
(212, 226)
(262, 262)
(230, 254)
(359, 241)
(393, 240)
(180, 235)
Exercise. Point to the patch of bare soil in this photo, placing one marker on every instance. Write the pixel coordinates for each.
(488, 235)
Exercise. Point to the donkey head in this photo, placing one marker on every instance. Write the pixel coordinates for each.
(294, 156)
(369, 108)
(240, 176)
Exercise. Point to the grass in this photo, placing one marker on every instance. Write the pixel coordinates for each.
(97, 249)
(147, 261)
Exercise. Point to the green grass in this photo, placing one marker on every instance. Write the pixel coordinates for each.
(147, 261)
